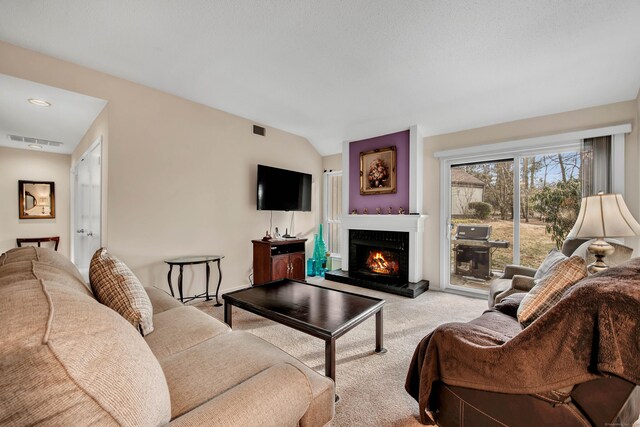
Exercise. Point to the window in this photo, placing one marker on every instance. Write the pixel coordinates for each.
(333, 211)
(550, 195)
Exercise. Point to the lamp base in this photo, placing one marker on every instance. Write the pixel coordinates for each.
(599, 249)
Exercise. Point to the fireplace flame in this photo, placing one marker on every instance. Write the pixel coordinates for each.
(378, 264)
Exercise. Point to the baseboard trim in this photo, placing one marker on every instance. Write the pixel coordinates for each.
(464, 294)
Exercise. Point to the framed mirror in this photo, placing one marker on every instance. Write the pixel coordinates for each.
(36, 199)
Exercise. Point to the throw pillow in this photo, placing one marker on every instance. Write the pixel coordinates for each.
(549, 289)
(553, 257)
(115, 286)
(509, 305)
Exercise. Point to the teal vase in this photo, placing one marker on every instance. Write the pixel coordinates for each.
(319, 253)
(311, 267)
(316, 247)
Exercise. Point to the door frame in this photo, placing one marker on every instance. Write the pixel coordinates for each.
(73, 184)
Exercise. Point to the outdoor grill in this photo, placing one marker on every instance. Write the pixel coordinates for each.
(474, 249)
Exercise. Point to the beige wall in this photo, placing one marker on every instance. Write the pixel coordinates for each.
(98, 129)
(638, 122)
(622, 112)
(32, 165)
(181, 176)
(333, 162)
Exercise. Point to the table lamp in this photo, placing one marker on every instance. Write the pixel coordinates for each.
(600, 216)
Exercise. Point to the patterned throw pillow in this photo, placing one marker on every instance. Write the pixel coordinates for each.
(549, 289)
(115, 286)
(553, 257)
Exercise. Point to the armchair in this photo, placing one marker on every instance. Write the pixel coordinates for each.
(517, 278)
(577, 370)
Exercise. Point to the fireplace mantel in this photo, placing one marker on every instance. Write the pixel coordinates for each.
(410, 223)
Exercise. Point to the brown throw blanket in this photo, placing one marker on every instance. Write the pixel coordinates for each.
(593, 330)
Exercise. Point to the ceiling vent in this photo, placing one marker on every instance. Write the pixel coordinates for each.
(27, 140)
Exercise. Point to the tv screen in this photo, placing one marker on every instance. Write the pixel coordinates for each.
(283, 190)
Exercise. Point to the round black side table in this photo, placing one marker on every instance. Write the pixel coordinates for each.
(193, 260)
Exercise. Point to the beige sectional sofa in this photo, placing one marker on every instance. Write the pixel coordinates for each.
(66, 359)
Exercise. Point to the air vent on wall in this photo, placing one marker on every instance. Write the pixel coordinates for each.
(27, 140)
(259, 130)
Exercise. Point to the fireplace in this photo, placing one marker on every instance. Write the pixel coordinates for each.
(409, 280)
(379, 256)
(380, 260)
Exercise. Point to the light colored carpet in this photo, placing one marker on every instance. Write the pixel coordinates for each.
(370, 385)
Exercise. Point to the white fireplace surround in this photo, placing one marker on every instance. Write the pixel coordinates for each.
(413, 224)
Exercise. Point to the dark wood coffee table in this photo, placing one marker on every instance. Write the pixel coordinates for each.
(318, 311)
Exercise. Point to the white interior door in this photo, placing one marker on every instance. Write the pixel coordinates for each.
(87, 208)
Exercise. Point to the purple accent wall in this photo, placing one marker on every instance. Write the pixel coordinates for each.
(371, 202)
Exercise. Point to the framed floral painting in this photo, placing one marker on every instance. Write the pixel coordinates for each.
(378, 171)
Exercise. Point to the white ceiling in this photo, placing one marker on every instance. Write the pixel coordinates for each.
(65, 121)
(337, 70)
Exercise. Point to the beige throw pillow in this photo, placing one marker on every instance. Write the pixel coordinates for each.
(553, 257)
(115, 286)
(549, 289)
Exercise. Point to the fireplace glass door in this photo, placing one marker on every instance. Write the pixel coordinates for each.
(380, 256)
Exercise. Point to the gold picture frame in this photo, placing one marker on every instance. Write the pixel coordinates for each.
(378, 171)
(36, 199)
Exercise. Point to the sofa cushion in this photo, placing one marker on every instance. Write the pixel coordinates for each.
(181, 328)
(68, 360)
(44, 255)
(228, 360)
(26, 270)
(553, 257)
(247, 404)
(549, 289)
(160, 300)
(496, 288)
(115, 286)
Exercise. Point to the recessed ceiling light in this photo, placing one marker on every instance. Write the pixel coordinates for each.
(39, 147)
(39, 102)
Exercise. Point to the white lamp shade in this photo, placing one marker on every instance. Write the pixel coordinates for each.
(604, 215)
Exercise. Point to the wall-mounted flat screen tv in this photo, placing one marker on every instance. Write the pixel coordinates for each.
(283, 190)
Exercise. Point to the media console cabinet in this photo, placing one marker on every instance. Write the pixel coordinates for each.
(278, 259)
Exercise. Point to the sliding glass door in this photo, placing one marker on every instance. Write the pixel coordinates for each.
(508, 211)
(481, 222)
